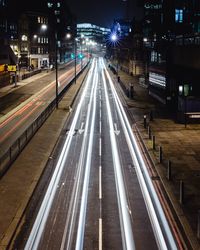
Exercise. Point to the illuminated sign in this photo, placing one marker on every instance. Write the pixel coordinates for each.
(12, 68)
(153, 6)
(158, 80)
(194, 116)
(2, 67)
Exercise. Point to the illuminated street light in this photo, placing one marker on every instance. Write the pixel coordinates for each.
(114, 37)
(68, 36)
(44, 27)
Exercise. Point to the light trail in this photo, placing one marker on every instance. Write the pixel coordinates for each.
(125, 220)
(84, 196)
(153, 205)
(40, 221)
(29, 104)
(77, 185)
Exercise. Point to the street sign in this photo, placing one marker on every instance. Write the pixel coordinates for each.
(12, 68)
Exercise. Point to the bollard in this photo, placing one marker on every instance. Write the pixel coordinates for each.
(198, 225)
(118, 78)
(153, 142)
(169, 170)
(181, 198)
(131, 89)
(151, 115)
(149, 132)
(160, 154)
(145, 121)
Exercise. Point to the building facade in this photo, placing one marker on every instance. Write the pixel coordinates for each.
(171, 41)
(93, 32)
(33, 40)
(61, 23)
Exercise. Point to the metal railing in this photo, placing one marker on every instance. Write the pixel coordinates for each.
(9, 155)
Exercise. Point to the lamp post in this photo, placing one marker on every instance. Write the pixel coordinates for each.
(114, 40)
(75, 52)
(68, 36)
(56, 66)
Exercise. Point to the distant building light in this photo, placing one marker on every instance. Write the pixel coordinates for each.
(157, 80)
(24, 38)
(178, 15)
(49, 5)
(180, 90)
(145, 39)
(68, 36)
(44, 27)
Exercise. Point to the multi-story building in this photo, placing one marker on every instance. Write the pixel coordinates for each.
(93, 32)
(61, 22)
(33, 40)
(122, 28)
(170, 28)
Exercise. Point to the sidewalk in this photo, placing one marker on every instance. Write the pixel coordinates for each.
(17, 186)
(180, 145)
(10, 88)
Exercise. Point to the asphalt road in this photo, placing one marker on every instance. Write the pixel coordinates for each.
(22, 106)
(99, 196)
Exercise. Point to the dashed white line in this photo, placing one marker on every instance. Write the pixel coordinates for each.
(100, 127)
(100, 182)
(100, 233)
(99, 146)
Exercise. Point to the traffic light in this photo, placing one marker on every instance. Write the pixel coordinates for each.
(80, 56)
(72, 56)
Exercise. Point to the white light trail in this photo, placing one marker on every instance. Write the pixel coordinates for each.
(84, 196)
(153, 205)
(74, 201)
(39, 224)
(125, 220)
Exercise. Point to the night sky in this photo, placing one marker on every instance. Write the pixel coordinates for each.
(102, 12)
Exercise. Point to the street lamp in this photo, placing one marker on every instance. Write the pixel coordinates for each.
(56, 66)
(68, 36)
(114, 39)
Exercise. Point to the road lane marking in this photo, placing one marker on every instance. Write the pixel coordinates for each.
(88, 157)
(100, 127)
(81, 130)
(100, 234)
(100, 182)
(100, 146)
(126, 226)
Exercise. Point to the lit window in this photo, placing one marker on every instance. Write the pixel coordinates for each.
(178, 15)
(24, 38)
(57, 12)
(58, 5)
(49, 5)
